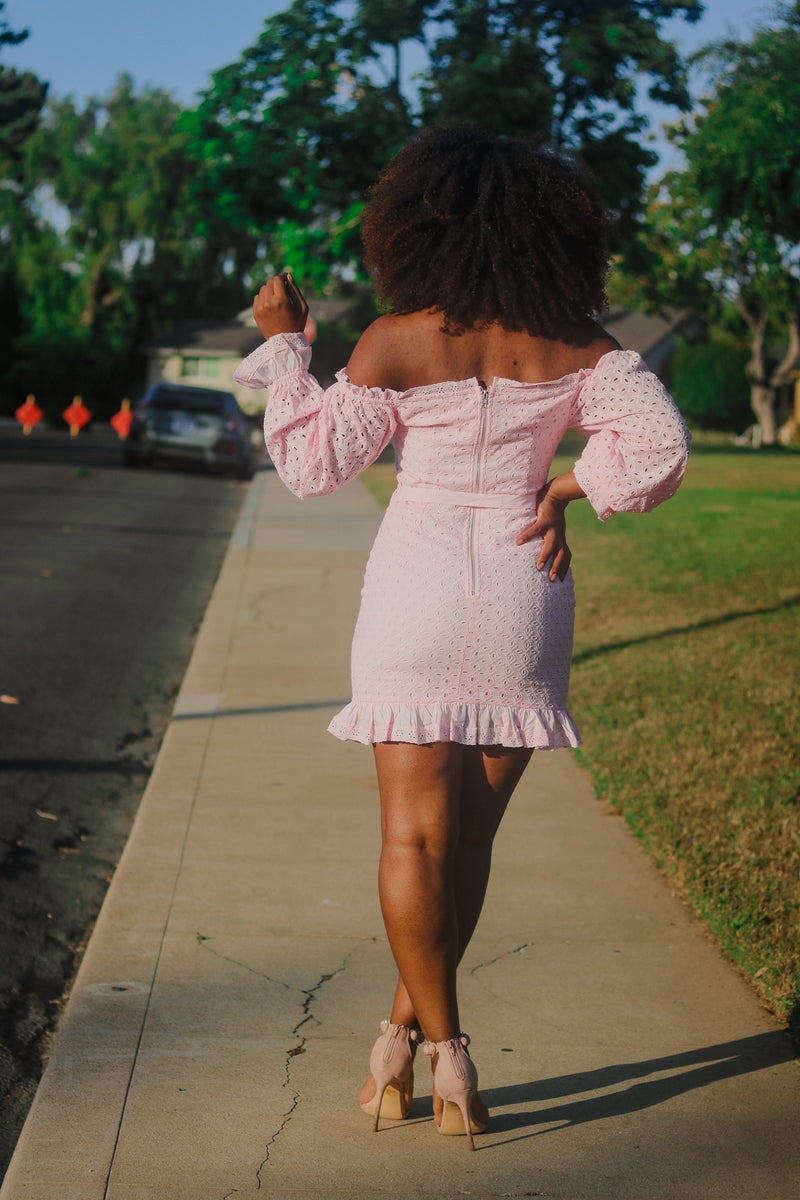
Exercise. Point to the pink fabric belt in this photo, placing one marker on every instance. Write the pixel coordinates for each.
(434, 495)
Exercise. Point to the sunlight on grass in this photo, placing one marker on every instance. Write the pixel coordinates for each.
(685, 687)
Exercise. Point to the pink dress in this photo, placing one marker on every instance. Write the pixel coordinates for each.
(459, 637)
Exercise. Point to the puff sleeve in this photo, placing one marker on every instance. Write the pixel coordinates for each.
(638, 443)
(317, 439)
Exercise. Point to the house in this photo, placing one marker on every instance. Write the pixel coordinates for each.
(654, 337)
(204, 353)
(207, 354)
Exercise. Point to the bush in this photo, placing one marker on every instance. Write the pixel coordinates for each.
(709, 384)
(57, 366)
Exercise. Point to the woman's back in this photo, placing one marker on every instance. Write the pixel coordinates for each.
(413, 350)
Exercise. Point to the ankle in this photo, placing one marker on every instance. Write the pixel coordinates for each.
(403, 1017)
(444, 1036)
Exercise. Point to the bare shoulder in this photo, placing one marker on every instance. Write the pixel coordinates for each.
(603, 343)
(374, 361)
(392, 351)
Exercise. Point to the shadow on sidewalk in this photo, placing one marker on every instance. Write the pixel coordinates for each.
(712, 1064)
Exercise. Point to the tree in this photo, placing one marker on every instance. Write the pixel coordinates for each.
(724, 231)
(566, 72)
(22, 97)
(115, 253)
(292, 134)
(296, 130)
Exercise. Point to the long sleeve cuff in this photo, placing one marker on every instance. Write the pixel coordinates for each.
(283, 354)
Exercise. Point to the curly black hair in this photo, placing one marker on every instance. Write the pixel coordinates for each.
(487, 229)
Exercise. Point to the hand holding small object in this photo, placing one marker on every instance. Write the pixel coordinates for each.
(280, 307)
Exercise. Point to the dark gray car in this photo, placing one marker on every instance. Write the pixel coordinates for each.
(197, 424)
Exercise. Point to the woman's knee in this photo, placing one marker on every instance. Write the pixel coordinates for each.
(420, 788)
(407, 829)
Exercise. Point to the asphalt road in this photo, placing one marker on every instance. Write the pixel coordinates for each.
(105, 574)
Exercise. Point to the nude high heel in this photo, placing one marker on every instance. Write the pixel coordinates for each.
(455, 1081)
(391, 1065)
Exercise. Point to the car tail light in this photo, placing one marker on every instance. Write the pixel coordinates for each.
(231, 424)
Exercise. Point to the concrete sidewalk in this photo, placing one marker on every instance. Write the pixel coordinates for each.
(222, 1019)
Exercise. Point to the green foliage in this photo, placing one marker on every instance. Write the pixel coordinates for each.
(685, 687)
(295, 131)
(746, 146)
(7, 36)
(709, 386)
(22, 97)
(125, 256)
(58, 363)
(724, 231)
(21, 100)
(566, 73)
(125, 214)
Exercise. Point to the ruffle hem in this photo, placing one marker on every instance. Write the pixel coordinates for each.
(468, 724)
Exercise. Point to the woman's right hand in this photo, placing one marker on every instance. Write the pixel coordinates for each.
(551, 524)
(280, 307)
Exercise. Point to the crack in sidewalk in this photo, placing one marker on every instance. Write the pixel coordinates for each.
(505, 954)
(202, 939)
(310, 995)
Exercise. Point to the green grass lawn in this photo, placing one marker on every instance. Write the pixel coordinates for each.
(685, 687)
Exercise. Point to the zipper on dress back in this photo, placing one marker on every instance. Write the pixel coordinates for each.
(476, 487)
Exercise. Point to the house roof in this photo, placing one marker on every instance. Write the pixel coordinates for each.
(637, 331)
(233, 340)
(237, 338)
(651, 336)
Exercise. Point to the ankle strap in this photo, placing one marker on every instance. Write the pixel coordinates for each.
(414, 1035)
(432, 1048)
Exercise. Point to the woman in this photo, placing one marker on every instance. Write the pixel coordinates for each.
(488, 253)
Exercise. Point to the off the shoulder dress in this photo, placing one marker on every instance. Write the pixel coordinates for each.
(459, 637)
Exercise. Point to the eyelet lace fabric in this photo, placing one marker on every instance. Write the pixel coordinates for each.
(459, 637)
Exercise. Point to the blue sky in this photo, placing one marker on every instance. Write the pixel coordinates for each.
(80, 46)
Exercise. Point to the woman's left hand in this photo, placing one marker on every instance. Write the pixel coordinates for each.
(551, 526)
(280, 307)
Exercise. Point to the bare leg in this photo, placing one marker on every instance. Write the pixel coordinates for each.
(489, 777)
(420, 788)
(441, 806)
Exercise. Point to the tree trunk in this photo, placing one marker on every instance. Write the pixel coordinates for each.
(89, 314)
(762, 394)
(762, 401)
(785, 369)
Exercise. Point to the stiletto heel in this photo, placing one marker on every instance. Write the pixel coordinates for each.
(455, 1081)
(391, 1065)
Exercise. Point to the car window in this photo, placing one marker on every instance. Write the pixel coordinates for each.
(194, 400)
